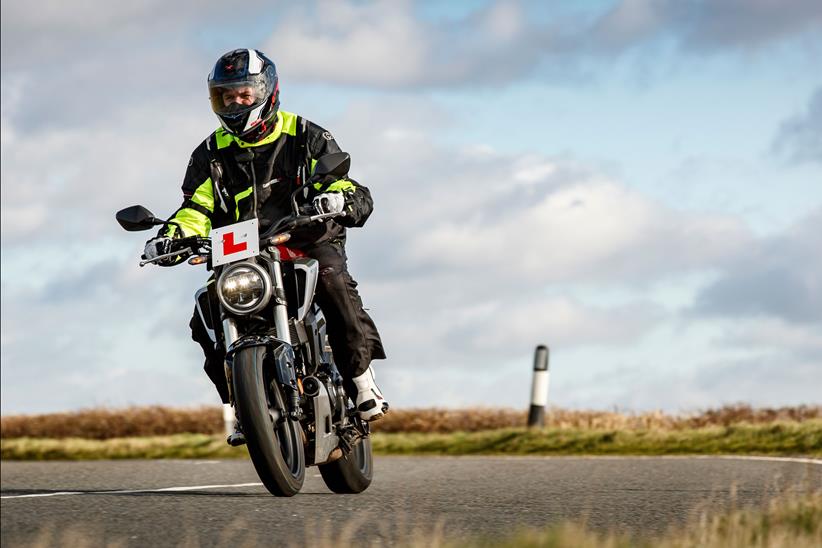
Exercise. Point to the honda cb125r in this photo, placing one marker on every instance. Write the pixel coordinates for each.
(284, 388)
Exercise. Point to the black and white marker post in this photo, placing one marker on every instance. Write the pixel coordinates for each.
(539, 388)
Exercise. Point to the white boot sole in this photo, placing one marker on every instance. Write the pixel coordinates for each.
(368, 416)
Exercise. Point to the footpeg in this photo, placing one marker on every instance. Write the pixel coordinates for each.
(236, 439)
(232, 427)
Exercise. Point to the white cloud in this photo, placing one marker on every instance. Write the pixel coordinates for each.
(93, 171)
(595, 229)
(376, 44)
(533, 170)
(384, 44)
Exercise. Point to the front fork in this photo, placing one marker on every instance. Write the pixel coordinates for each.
(231, 334)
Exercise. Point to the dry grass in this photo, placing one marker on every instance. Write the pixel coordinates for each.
(162, 421)
(103, 423)
(479, 419)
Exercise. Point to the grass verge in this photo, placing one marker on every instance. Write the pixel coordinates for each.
(178, 446)
(779, 438)
(792, 520)
(773, 439)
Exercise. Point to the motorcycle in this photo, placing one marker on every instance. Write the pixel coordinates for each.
(284, 388)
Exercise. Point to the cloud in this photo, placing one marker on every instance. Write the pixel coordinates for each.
(79, 176)
(90, 24)
(778, 277)
(525, 218)
(712, 24)
(369, 44)
(386, 45)
(800, 137)
(588, 229)
(706, 25)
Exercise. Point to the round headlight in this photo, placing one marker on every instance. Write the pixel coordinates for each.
(244, 288)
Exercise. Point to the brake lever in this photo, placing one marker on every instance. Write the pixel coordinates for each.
(297, 222)
(167, 255)
(324, 216)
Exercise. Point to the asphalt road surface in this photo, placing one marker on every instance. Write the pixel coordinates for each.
(217, 503)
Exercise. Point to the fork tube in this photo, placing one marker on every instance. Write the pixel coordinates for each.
(230, 332)
(280, 308)
(231, 335)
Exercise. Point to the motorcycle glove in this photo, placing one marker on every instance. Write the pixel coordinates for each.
(157, 246)
(329, 202)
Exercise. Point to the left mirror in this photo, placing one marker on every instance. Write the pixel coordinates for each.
(136, 218)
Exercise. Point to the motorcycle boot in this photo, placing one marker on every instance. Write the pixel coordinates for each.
(371, 404)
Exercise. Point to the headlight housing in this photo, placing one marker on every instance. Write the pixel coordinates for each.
(244, 288)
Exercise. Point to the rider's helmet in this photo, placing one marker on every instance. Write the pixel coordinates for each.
(245, 93)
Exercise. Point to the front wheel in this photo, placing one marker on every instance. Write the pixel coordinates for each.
(352, 473)
(274, 441)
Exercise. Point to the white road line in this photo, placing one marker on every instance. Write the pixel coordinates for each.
(801, 460)
(61, 493)
(773, 459)
(128, 491)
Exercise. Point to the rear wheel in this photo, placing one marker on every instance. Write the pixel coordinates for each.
(352, 473)
(274, 442)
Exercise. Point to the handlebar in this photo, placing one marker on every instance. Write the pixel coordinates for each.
(197, 245)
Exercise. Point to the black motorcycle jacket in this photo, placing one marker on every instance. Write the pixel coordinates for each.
(229, 180)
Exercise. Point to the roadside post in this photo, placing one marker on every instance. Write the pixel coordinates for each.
(539, 388)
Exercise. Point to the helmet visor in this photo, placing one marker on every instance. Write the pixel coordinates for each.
(240, 96)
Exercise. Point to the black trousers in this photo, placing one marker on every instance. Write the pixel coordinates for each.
(351, 331)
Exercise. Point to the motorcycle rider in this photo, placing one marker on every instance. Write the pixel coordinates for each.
(248, 168)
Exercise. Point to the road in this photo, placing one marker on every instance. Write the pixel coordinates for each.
(211, 503)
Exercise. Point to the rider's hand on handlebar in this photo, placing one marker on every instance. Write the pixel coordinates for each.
(329, 202)
(155, 247)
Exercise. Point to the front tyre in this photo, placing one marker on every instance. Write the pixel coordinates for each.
(274, 441)
(352, 473)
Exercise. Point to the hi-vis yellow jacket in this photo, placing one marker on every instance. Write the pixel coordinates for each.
(229, 180)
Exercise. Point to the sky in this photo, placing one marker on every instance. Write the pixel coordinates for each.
(635, 183)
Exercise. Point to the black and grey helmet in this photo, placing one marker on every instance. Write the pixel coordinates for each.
(245, 93)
